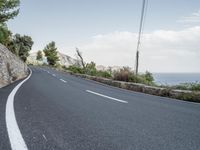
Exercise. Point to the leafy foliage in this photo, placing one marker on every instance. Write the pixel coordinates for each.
(75, 69)
(21, 46)
(39, 56)
(90, 69)
(188, 86)
(8, 9)
(125, 74)
(51, 53)
(5, 34)
(104, 74)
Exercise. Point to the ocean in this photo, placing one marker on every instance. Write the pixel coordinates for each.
(176, 78)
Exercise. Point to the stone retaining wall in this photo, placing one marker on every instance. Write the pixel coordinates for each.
(165, 92)
(11, 67)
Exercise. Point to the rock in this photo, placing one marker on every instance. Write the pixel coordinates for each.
(64, 60)
(11, 67)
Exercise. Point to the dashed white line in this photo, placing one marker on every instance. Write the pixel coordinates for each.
(53, 75)
(115, 99)
(16, 140)
(44, 137)
(63, 80)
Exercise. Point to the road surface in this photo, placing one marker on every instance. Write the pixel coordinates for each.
(56, 111)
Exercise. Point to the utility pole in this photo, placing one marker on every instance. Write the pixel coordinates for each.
(139, 36)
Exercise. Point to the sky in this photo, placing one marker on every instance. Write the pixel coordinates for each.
(106, 31)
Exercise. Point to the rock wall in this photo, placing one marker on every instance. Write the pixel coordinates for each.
(11, 67)
(193, 96)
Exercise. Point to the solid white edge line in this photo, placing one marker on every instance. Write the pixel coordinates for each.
(115, 99)
(63, 80)
(16, 140)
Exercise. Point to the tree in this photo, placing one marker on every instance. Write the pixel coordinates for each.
(5, 34)
(8, 9)
(80, 57)
(39, 55)
(21, 46)
(50, 52)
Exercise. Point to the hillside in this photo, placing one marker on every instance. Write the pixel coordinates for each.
(64, 59)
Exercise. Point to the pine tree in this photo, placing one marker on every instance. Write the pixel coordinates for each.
(21, 46)
(39, 56)
(51, 53)
(8, 9)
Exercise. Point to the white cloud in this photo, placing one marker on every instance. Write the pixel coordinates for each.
(161, 51)
(193, 18)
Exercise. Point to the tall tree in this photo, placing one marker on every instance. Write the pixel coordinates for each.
(8, 9)
(50, 52)
(21, 46)
(39, 55)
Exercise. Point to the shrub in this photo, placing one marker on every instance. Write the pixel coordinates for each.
(90, 69)
(125, 74)
(75, 69)
(148, 77)
(104, 74)
(188, 86)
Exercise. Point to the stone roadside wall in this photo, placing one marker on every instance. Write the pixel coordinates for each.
(152, 90)
(11, 67)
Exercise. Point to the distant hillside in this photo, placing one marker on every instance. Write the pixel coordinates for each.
(67, 61)
(64, 59)
(112, 68)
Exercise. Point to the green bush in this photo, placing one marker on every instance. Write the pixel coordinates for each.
(104, 74)
(125, 74)
(75, 69)
(188, 86)
(90, 69)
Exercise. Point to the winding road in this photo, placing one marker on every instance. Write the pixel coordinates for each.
(56, 111)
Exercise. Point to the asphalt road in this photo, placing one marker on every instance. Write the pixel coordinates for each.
(55, 111)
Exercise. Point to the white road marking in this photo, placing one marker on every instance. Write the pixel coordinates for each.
(44, 137)
(63, 80)
(16, 140)
(115, 99)
(53, 75)
(48, 72)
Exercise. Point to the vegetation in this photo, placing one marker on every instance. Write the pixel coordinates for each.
(90, 69)
(21, 46)
(188, 86)
(125, 74)
(8, 9)
(75, 69)
(51, 53)
(5, 34)
(39, 56)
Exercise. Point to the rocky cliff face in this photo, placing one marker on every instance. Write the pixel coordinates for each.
(63, 60)
(11, 67)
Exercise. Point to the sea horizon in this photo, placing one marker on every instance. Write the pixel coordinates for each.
(176, 78)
